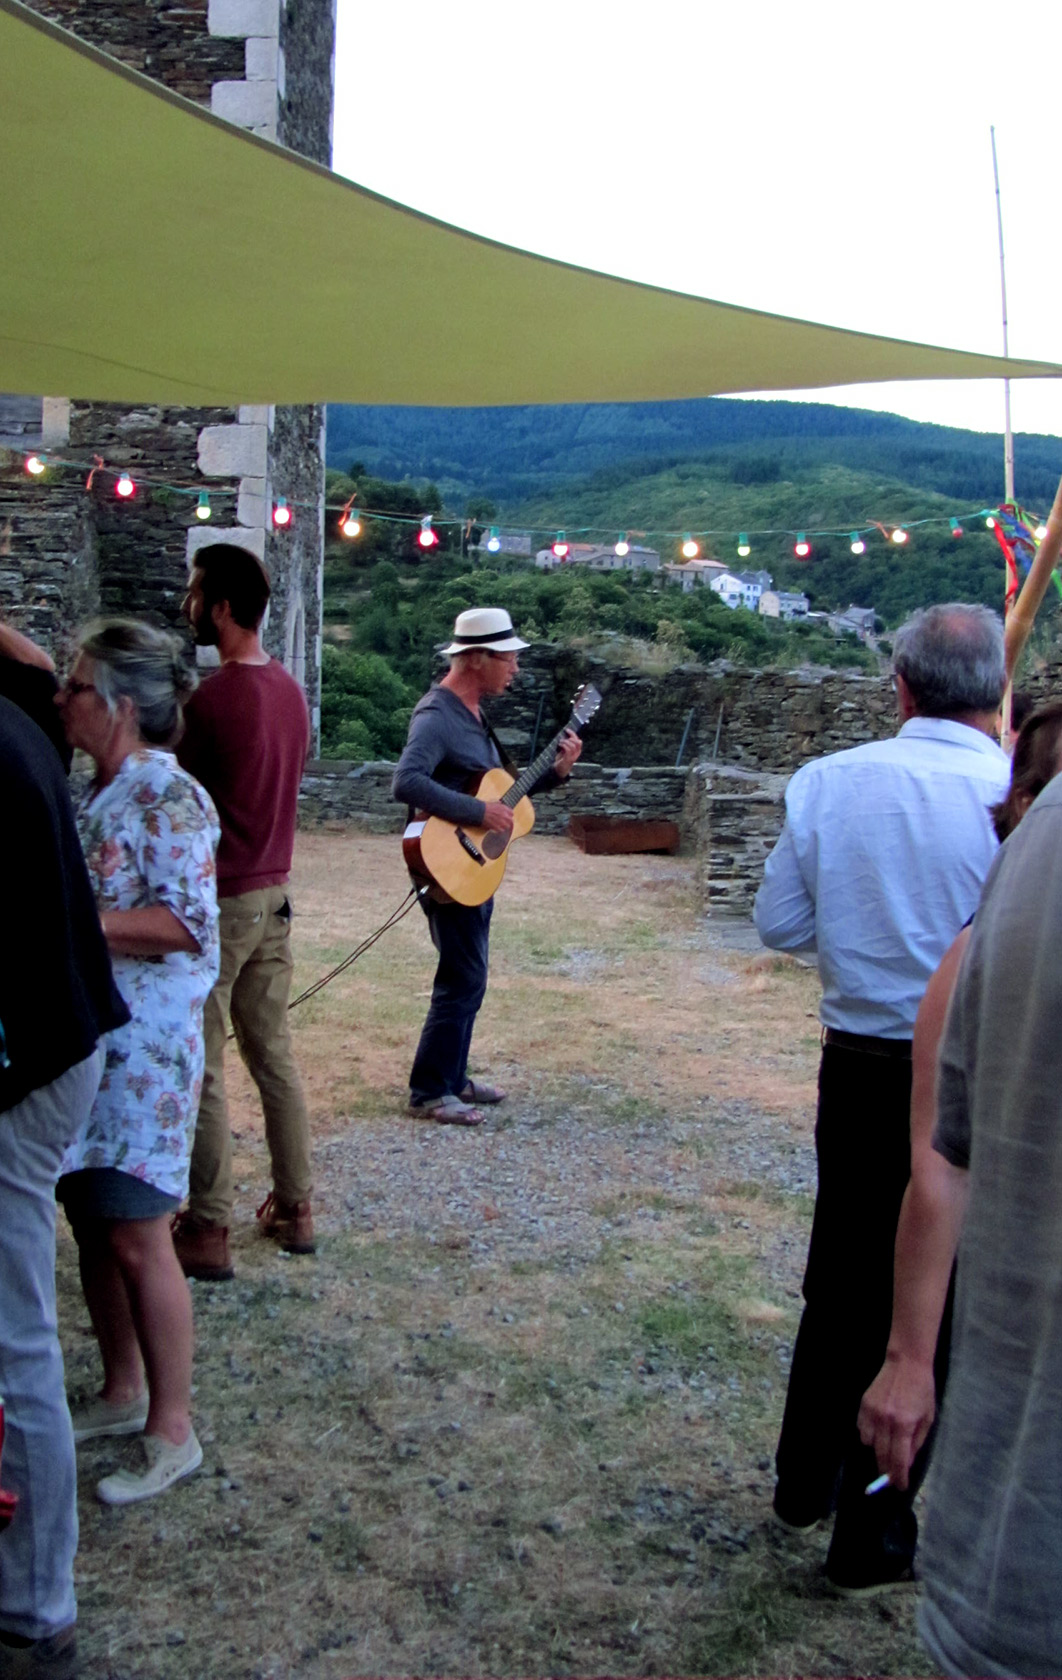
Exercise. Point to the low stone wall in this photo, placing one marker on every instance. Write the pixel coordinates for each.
(335, 791)
(731, 819)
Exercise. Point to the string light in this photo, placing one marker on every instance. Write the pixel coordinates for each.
(426, 537)
(124, 487)
(955, 528)
(561, 546)
(1040, 532)
(856, 543)
(744, 546)
(801, 548)
(202, 506)
(898, 535)
(690, 549)
(493, 541)
(282, 514)
(990, 522)
(35, 465)
(622, 547)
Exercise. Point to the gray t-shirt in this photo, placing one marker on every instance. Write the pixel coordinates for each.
(992, 1555)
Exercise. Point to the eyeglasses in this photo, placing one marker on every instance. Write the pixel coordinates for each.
(72, 687)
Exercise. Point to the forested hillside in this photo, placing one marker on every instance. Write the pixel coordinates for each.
(511, 453)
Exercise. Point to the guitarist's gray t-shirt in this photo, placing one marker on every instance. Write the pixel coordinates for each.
(447, 747)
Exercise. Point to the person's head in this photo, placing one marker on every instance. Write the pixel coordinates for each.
(127, 676)
(485, 647)
(1037, 760)
(950, 661)
(225, 573)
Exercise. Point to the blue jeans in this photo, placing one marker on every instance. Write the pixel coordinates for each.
(37, 1551)
(461, 935)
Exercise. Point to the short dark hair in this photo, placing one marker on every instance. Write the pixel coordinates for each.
(951, 658)
(232, 573)
(1035, 763)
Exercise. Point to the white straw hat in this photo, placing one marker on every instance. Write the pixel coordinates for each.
(489, 628)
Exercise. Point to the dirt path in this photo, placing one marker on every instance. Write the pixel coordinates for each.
(517, 1416)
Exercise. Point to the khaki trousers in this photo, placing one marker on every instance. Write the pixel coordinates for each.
(254, 985)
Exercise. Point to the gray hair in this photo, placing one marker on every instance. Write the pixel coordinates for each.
(951, 658)
(135, 661)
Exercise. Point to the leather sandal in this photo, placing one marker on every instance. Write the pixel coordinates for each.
(448, 1111)
(476, 1092)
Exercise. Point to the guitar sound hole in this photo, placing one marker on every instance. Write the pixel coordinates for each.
(494, 844)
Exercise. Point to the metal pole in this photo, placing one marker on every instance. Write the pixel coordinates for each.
(718, 732)
(538, 725)
(1008, 436)
(685, 737)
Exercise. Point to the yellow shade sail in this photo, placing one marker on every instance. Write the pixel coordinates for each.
(151, 253)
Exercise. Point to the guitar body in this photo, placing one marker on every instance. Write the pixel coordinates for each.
(467, 864)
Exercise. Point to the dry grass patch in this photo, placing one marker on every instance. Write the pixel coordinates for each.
(517, 1416)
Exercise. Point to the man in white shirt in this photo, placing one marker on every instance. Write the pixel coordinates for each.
(880, 863)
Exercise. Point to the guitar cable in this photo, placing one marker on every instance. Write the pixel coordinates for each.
(393, 920)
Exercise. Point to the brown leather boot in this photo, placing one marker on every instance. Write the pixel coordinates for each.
(203, 1250)
(288, 1223)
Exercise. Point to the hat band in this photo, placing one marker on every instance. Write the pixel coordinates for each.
(477, 641)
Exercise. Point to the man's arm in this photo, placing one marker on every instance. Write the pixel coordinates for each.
(414, 782)
(14, 645)
(784, 911)
(898, 1408)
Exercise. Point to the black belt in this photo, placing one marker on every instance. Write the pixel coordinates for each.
(897, 1049)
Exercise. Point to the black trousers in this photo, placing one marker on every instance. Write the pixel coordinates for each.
(461, 935)
(862, 1143)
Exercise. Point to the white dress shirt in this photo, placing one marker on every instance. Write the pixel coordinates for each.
(880, 863)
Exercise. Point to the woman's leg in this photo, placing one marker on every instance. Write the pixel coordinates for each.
(108, 1304)
(161, 1308)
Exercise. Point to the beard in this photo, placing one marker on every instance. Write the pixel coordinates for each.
(205, 630)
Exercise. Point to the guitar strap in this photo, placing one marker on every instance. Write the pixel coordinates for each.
(506, 762)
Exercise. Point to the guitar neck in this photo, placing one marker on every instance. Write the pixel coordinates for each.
(535, 769)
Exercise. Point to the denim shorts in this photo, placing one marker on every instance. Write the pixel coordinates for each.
(109, 1193)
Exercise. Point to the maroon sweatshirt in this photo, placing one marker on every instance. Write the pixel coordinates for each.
(246, 737)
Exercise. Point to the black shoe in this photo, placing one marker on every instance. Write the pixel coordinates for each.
(796, 1517)
(865, 1578)
(36, 1659)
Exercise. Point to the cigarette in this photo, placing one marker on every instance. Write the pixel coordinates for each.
(878, 1484)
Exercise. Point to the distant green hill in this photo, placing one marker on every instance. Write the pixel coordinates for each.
(932, 566)
(512, 453)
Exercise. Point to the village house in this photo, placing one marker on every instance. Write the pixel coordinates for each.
(741, 589)
(689, 573)
(600, 557)
(784, 604)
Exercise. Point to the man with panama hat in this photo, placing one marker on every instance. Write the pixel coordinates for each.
(449, 745)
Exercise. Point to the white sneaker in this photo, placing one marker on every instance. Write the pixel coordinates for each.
(101, 1417)
(166, 1464)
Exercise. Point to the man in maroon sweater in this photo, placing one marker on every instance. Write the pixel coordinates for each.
(246, 737)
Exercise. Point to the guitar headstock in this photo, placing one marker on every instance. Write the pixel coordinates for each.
(585, 705)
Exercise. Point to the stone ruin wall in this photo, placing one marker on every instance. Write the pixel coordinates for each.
(730, 808)
(266, 65)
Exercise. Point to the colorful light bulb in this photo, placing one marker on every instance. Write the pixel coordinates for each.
(35, 465)
(561, 547)
(493, 541)
(350, 525)
(856, 543)
(899, 535)
(282, 514)
(124, 486)
(622, 547)
(955, 528)
(690, 549)
(990, 522)
(426, 537)
(801, 548)
(202, 506)
(744, 546)
(1040, 532)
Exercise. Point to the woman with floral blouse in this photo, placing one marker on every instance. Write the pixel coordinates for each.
(150, 834)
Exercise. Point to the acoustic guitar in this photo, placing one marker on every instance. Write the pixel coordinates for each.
(467, 864)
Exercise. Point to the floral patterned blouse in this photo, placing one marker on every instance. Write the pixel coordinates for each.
(150, 837)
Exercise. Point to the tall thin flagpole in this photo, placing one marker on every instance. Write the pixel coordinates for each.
(1008, 435)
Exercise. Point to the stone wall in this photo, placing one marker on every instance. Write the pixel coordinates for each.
(731, 820)
(336, 792)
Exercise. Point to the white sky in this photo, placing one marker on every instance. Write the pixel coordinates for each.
(830, 160)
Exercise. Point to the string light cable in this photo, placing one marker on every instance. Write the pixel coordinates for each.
(429, 530)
